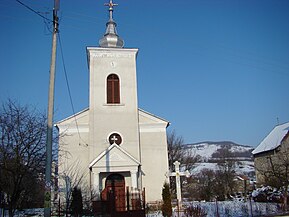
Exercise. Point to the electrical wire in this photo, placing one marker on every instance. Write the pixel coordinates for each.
(46, 21)
(31, 9)
(68, 88)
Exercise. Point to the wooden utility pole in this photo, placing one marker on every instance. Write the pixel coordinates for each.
(49, 136)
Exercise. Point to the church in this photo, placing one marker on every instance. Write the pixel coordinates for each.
(113, 139)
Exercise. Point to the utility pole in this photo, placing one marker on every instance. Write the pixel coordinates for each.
(49, 135)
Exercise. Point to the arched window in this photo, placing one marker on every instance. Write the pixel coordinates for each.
(112, 91)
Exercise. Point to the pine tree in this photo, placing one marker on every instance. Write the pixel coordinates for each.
(167, 201)
(76, 203)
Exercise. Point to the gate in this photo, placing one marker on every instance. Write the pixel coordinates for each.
(132, 204)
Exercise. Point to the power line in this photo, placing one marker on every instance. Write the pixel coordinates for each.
(62, 57)
(68, 88)
(46, 20)
(31, 9)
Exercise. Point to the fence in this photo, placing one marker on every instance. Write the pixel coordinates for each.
(226, 209)
(132, 204)
(234, 208)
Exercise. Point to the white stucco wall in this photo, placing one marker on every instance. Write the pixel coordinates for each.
(107, 118)
(144, 142)
(73, 151)
(154, 160)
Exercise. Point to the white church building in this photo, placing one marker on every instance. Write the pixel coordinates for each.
(113, 139)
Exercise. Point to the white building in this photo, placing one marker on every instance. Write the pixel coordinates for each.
(114, 140)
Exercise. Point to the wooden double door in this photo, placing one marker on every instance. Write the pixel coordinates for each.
(114, 192)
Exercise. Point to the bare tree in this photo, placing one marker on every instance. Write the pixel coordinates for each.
(210, 184)
(205, 187)
(226, 173)
(22, 152)
(76, 204)
(177, 151)
(72, 177)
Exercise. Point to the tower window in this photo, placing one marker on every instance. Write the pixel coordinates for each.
(113, 92)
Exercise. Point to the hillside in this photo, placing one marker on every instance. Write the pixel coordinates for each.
(211, 153)
(209, 150)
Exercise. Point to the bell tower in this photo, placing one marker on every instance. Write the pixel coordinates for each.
(113, 113)
(123, 142)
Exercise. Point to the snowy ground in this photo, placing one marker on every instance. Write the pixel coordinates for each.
(231, 209)
(224, 208)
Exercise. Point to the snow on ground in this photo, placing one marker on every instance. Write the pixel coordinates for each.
(238, 208)
(230, 208)
(224, 208)
(201, 166)
(27, 212)
(245, 167)
(205, 150)
(238, 148)
(242, 167)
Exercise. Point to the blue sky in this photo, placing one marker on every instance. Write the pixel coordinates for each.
(216, 69)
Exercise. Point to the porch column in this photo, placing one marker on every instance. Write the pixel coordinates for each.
(96, 187)
(133, 174)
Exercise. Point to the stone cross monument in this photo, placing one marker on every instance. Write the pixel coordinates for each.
(178, 175)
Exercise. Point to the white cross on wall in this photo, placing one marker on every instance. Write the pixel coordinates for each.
(114, 139)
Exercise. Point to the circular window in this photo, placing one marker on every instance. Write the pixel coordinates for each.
(115, 138)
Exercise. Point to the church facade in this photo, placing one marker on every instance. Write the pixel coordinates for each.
(113, 138)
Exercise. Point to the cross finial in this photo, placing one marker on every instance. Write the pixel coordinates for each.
(177, 166)
(110, 38)
(110, 7)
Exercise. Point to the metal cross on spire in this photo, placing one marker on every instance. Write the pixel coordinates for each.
(110, 38)
(110, 9)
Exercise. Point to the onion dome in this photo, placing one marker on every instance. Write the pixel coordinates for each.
(111, 38)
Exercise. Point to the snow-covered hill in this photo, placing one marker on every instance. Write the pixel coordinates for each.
(211, 152)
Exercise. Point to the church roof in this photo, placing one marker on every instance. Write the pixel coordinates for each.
(105, 154)
(111, 38)
(143, 112)
(85, 111)
(76, 115)
(273, 139)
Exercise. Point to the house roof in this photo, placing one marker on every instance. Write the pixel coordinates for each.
(273, 139)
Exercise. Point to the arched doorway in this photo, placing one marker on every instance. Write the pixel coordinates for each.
(114, 191)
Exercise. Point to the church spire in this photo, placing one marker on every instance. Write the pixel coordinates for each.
(110, 38)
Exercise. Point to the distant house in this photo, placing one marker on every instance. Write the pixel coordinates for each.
(271, 152)
(243, 184)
